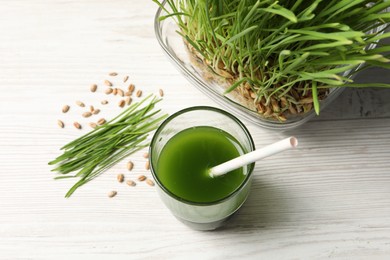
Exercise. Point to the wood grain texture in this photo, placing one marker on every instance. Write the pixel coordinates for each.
(328, 199)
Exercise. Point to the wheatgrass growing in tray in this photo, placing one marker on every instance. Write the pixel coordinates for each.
(284, 56)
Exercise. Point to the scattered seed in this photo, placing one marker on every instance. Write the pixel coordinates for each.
(128, 100)
(107, 83)
(120, 177)
(161, 92)
(115, 91)
(120, 92)
(101, 121)
(131, 87)
(93, 125)
(131, 183)
(141, 177)
(93, 87)
(125, 79)
(128, 93)
(87, 114)
(147, 165)
(96, 111)
(108, 91)
(146, 155)
(139, 93)
(60, 123)
(122, 103)
(77, 125)
(130, 165)
(292, 110)
(307, 100)
(112, 194)
(104, 102)
(113, 74)
(65, 109)
(80, 104)
(149, 182)
(91, 108)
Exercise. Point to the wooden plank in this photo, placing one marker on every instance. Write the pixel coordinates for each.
(329, 198)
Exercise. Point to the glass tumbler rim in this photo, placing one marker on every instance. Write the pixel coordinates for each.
(205, 108)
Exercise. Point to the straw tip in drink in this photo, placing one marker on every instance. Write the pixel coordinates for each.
(293, 141)
(210, 173)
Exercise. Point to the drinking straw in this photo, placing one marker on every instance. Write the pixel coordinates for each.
(280, 146)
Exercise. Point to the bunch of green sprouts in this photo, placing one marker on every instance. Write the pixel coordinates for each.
(93, 153)
(284, 55)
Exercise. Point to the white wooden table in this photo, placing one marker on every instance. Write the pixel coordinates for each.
(328, 199)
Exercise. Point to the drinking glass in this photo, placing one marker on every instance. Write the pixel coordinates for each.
(210, 215)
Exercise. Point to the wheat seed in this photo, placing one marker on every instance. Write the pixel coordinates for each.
(131, 87)
(146, 155)
(120, 92)
(147, 165)
(130, 165)
(96, 111)
(91, 108)
(93, 125)
(125, 79)
(115, 91)
(113, 74)
(104, 102)
(108, 91)
(128, 100)
(60, 123)
(112, 194)
(93, 87)
(101, 121)
(77, 125)
(139, 93)
(121, 103)
(141, 177)
(161, 92)
(131, 183)
(80, 104)
(120, 177)
(87, 114)
(65, 109)
(107, 83)
(149, 182)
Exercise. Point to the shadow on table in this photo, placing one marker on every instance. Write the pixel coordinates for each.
(264, 208)
(268, 204)
(274, 203)
(357, 103)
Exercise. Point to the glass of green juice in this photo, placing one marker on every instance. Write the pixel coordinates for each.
(183, 148)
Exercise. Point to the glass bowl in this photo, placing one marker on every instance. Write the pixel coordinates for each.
(214, 86)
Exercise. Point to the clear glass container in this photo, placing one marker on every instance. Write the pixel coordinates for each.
(202, 216)
(174, 47)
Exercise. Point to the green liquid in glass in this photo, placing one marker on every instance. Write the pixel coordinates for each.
(183, 163)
